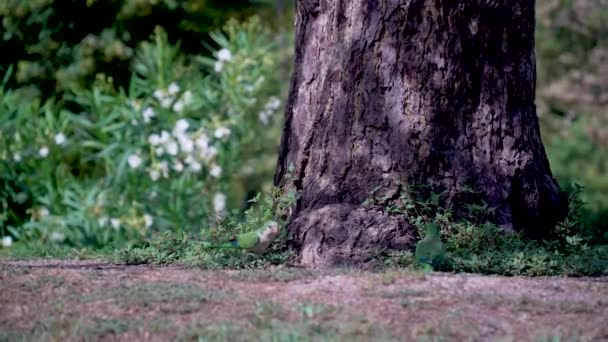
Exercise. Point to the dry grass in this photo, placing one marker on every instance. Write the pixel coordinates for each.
(76, 300)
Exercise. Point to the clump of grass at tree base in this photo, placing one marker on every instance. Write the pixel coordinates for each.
(473, 244)
(476, 245)
(188, 249)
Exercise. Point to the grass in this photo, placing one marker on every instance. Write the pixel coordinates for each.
(306, 322)
(475, 245)
(54, 251)
(177, 303)
(472, 244)
(192, 251)
(167, 297)
(277, 274)
(470, 247)
(73, 328)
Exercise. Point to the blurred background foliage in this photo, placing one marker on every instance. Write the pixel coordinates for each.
(123, 119)
(572, 99)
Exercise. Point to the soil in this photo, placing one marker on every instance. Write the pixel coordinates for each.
(62, 300)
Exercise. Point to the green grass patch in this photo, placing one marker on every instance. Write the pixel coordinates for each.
(54, 251)
(188, 250)
(472, 245)
(477, 246)
(193, 250)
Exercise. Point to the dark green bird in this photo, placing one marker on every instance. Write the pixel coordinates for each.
(429, 251)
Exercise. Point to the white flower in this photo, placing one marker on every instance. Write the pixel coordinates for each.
(219, 203)
(208, 153)
(179, 167)
(102, 221)
(173, 88)
(154, 175)
(215, 171)
(43, 212)
(158, 94)
(44, 151)
(265, 116)
(7, 241)
(115, 223)
(57, 236)
(172, 148)
(59, 139)
(154, 139)
(195, 166)
(218, 66)
(17, 157)
(189, 160)
(187, 97)
(212, 152)
(181, 126)
(164, 137)
(153, 195)
(186, 144)
(222, 132)
(178, 106)
(148, 220)
(202, 142)
(159, 151)
(249, 88)
(166, 102)
(273, 104)
(148, 114)
(224, 55)
(134, 161)
(164, 168)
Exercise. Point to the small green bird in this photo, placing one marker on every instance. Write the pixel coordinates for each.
(429, 250)
(256, 241)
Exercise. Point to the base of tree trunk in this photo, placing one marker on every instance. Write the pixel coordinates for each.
(343, 234)
(414, 93)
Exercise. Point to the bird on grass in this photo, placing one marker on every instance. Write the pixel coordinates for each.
(256, 241)
(429, 251)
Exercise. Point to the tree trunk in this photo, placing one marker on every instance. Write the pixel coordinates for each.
(411, 92)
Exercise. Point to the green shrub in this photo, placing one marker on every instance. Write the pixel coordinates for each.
(173, 152)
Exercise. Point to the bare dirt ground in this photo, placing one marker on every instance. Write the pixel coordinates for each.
(88, 300)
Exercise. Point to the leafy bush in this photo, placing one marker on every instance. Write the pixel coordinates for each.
(170, 153)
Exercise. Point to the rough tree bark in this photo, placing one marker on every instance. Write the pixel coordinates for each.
(411, 91)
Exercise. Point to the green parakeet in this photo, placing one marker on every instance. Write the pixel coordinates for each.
(256, 241)
(429, 250)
